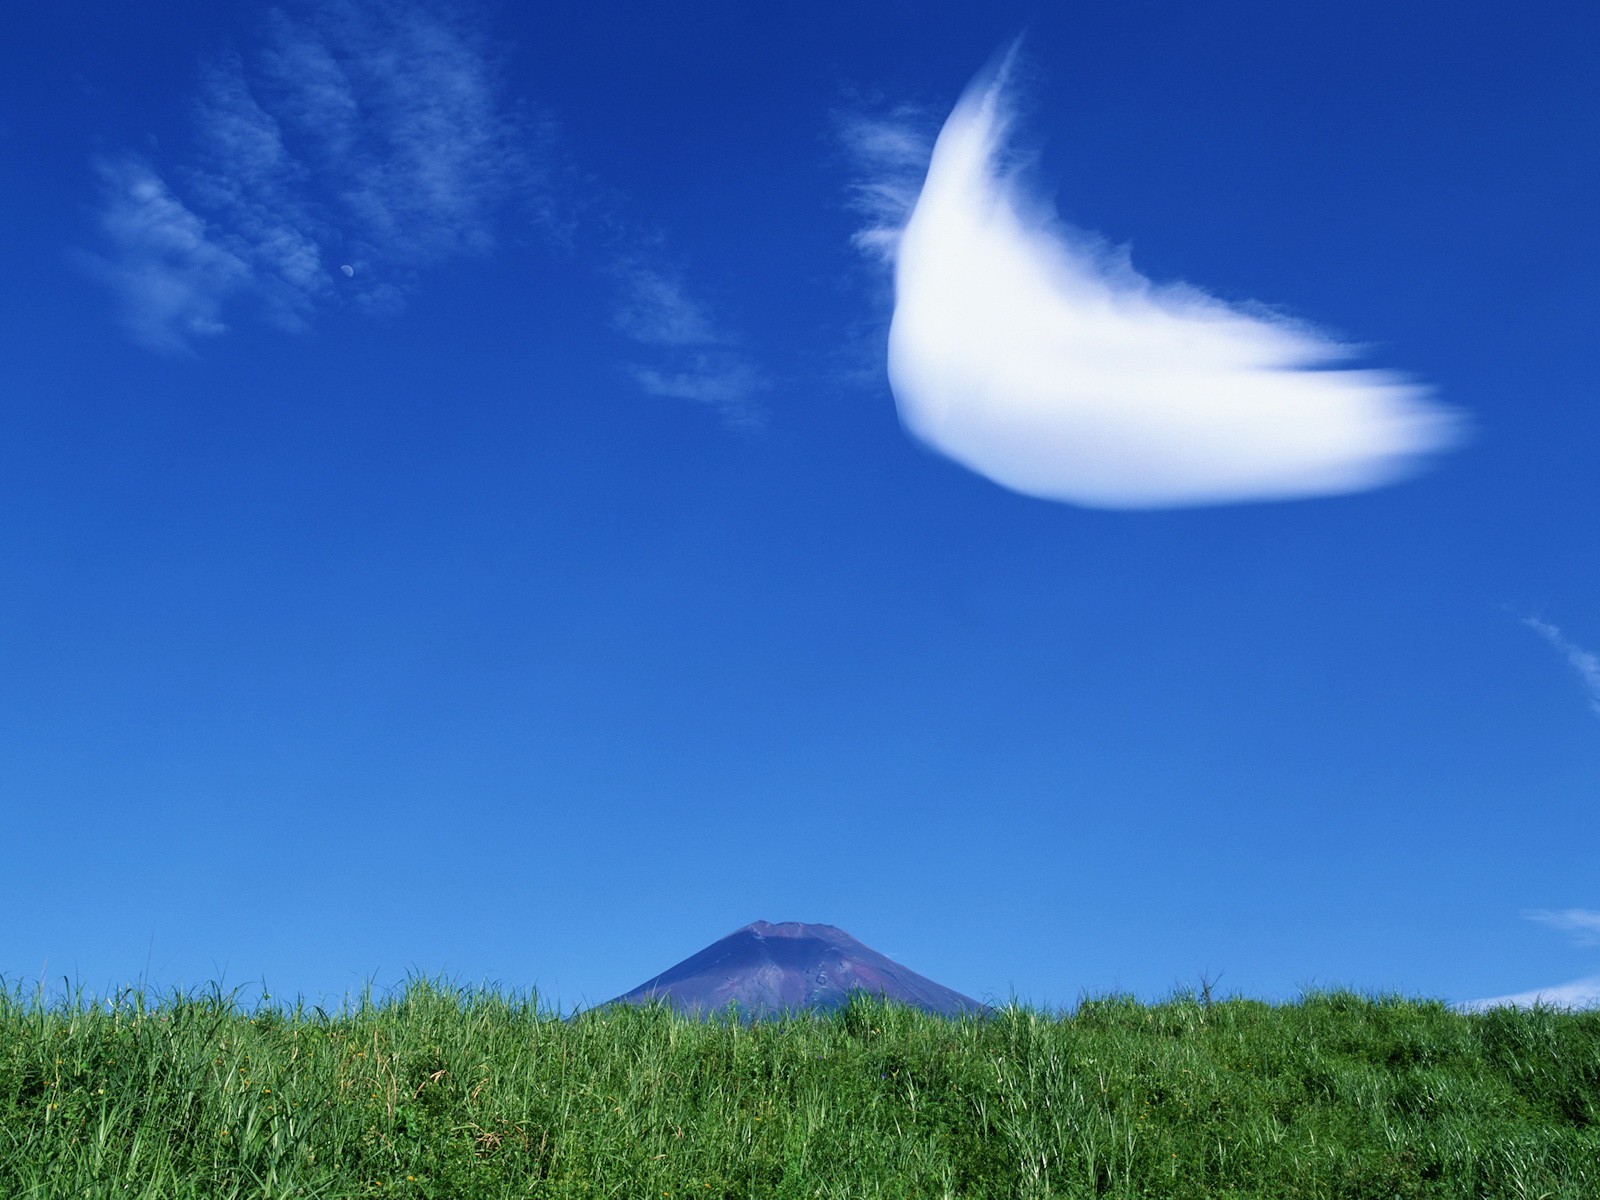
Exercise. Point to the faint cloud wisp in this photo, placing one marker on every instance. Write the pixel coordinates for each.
(1577, 993)
(1585, 663)
(700, 363)
(358, 144)
(1582, 923)
(889, 154)
(1037, 356)
(658, 311)
(170, 275)
(361, 134)
(1584, 926)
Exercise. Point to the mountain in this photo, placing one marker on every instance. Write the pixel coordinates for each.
(768, 969)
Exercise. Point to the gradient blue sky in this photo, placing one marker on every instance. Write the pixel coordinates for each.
(559, 591)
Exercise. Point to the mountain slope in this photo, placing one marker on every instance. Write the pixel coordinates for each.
(765, 969)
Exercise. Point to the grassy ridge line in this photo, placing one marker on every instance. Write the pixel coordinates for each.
(445, 1092)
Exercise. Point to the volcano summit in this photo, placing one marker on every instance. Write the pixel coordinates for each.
(765, 970)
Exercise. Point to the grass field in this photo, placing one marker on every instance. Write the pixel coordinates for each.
(452, 1093)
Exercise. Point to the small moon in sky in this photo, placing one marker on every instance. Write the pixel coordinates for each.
(348, 270)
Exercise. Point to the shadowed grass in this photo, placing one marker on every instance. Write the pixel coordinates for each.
(443, 1092)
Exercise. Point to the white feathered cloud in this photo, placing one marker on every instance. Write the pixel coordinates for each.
(1037, 356)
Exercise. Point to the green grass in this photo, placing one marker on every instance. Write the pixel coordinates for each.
(444, 1092)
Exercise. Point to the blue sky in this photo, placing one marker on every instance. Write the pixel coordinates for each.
(564, 584)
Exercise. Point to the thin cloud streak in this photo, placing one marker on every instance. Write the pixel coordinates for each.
(700, 362)
(356, 146)
(364, 134)
(169, 273)
(1578, 993)
(1038, 357)
(726, 382)
(401, 107)
(883, 149)
(1583, 662)
(1582, 923)
(889, 155)
(1584, 926)
(657, 310)
(246, 176)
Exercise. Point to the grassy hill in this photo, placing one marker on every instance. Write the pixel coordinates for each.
(449, 1093)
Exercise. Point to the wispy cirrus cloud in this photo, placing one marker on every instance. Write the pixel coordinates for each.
(358, 145)
(888, 153)
(1582, 923)
(1576, 993)
(1584, 663)
(657, 310)
(170, 273)
(882, 149)
(400, 107)
(697, 359)
(260, 197)
(1036, 355)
